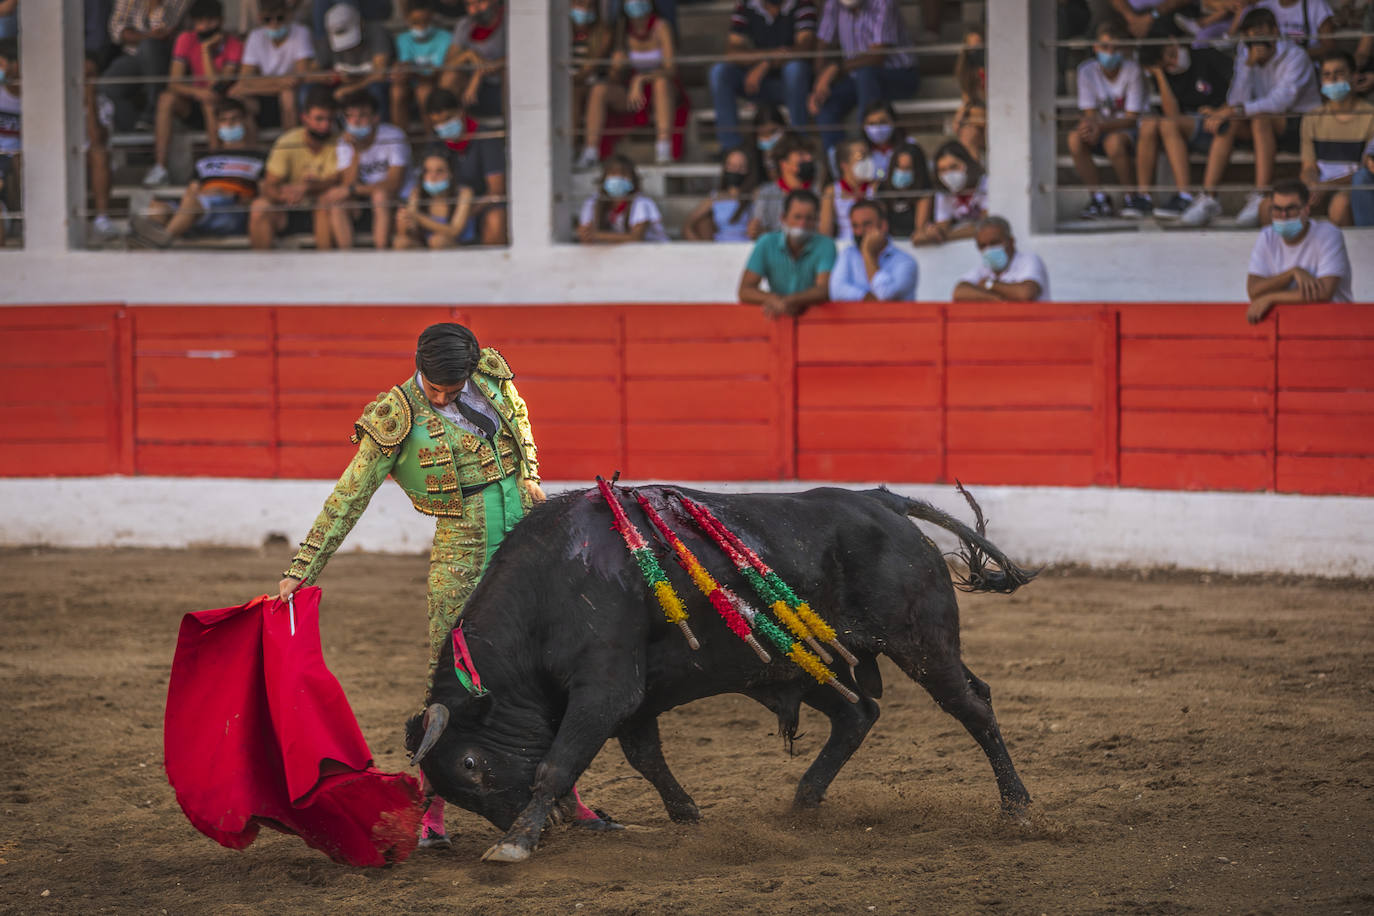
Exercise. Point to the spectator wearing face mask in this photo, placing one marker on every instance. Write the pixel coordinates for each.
(420, 52)
(796, 165)
(858, 180)
(373, 159)
(880, 128)
(1192, 84)
(795, 261)
(905, 192)
(1111, 95)
(1272, 85)
(1306, 23)
(592, 39)
(872, 269)
(1334, 138)
(724, 216)
(357, 52)
(142, 30)
(477, 162)
(1296, 258)
(759, 64)
(619, 213)
(1006, 274)
(437, 209)
(970, 122)
(1140, 16)
(961, 197)
(475, 69)
(277, 57)
(302, 165)
(769, 128)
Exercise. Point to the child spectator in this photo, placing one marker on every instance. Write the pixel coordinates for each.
(961, 196)
(724, 216)
(1111, 95)
(1272, 84)
(420, 52)
(1334, 138)
(476, 64)
(356, 51)
(302, 165)
(212, 59)
(277, 57)
(868, 71)
(1006, 275)
(143, 32)
(1295, 258)
(643, 77)
(872, 269)
(477, 162)
(858, 180)
(759, 64)
(216, 201)
(970, 122)
(769, 128)
(373, 159)
(795, 261)
(906, 191)
(437, 209)
(619, 213)
(880, 127)
(796, 166)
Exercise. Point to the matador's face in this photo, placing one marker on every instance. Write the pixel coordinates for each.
(440, 395)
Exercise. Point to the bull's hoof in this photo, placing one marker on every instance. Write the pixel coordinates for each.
(506, 852)
(1018, 812)
(688, 815)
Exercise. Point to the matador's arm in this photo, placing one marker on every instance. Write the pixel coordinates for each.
(520, 419)
(364, 474)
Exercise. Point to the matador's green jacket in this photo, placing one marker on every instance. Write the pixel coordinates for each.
(474, 486)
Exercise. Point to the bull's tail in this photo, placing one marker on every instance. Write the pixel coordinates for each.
(988, 569)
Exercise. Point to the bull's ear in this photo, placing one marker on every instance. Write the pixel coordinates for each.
(472, 709)
(415, 730)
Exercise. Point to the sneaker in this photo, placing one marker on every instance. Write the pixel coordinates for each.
(1249, 215)
(157, 177)
(105, 228)
(150, 231)
(1099, 207)
(587, 161)
(1137, 206)
(1174, 207)
(433, 839)
(1201, 211)
(663, 151)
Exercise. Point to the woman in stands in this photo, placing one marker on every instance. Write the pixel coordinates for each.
(592, 38)
(769, 128)
(436, 213)
(642, 82)
(970, 122)
(858, 180)
(905, 192)
(961, 196)
(619, 213)
(724, 216)
(880, 127)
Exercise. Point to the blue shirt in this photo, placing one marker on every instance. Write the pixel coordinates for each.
(773, 260)
(426, 56)
(895, 280)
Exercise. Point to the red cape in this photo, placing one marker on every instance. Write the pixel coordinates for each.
(259, 732)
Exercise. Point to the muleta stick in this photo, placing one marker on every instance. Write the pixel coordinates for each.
(653, 574)
(705, 582)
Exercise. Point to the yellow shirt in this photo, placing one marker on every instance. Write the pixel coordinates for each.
(292, 160)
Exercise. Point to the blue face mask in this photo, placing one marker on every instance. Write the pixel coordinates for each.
(279, 33)
(767, 143)
(421, 34)
(903, 178)
(435, 187)
(449, 130)
(995, 256)
(2, 77)
(231, 133)
(1109, 60)
(582, 17)
(1288, 229)
(1336, 91)
(617, 186)
(358, 131)
(638, 9)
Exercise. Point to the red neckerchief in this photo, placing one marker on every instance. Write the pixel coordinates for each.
(617, 208)
(861, 189)
(460, 146)
(648, 28)
(885, 149)
(782, 183)
(483, 32)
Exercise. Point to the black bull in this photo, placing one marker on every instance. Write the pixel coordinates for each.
(574, 650)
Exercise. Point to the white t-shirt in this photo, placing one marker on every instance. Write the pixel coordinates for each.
(965, 207)
(11, 119)
(278, 59)
(1024, 266)
(1291, 18)
(1321, 253)
(640, 210)
(389, 148)
(1111, 98)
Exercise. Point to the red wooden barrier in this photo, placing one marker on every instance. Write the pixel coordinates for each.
(1143, 395)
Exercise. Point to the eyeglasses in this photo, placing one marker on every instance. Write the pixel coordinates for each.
(274, 18)
(1286, 212)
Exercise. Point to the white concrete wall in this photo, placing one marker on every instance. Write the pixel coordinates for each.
(1222, 532)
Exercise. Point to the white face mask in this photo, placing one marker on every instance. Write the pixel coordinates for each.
(954, 179)
(1185, 60)
(864, 170)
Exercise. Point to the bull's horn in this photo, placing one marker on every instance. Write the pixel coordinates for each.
(436, 720)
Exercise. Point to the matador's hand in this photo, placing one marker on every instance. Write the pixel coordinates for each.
(287, 586)
(536, 491)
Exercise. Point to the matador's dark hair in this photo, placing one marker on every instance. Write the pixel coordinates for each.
(446, 354)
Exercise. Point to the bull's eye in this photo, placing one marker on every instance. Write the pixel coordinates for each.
(469, 763)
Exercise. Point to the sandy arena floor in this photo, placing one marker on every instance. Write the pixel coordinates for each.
(1193, 745)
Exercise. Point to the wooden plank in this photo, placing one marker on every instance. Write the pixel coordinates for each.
(1203, 363)
(711, 399)
(385, 330)
(570, 399)
(1020, 386)
(697, 322)
(503, 326)
(47, 459)
(868, 343)
(1325, 434)
(875, 467)
(1196, 470)
(880, 429)
(1329, 402)
(848, 313)
(246, 374)
(1021, 341)
(1203, 431)
(564, 437)
(1149, 320)
(40, 422)
(592, 359)
(1341, 321)
(700, 438)
(56, 349)
(577, 466)
(670, 359)
(1188, 399)
(314, 462)
(204, 425)
(1031, 430)
(195, 323)
(688, 467)
(57, 317)
(1349, 476)
(849, 387)
(333, 373)
(25, 385)
(1326, 364)
(207, 460)
(994, 312)
(1022, 469)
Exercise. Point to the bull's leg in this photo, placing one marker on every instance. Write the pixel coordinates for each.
(849, 724)
(640, 741)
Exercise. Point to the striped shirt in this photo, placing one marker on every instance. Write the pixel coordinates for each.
(751, 18)
(144, 16)
(877, 22)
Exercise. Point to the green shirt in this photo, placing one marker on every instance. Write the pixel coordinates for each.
(772, 260)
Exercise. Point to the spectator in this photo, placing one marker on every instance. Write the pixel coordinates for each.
(437, 209)
(880, 128)
(1006, 275)
(643, 77)
(11, 130)
(477, 162)
(864, 31)
(857, 180)
(1296, 259)
(724, 216)
(143, 30)
(1362, 192)
(99, 122)
(961, 196)
(1111, 96)
(212, 58)
(1192, 84)
(96, 28)
(592, 39)
(970, 122)
(906, 191)
(795, 261)
(302, 165)
(1334, 138)
(217, 200)
(759, 64)
(1299, 21)
(373, 159)
(1364, 54)
(9, 19)
(277, 57)
(769, 128)
(1272, 83)
(872, 269)
(377, 11)
(1140, 15)
(479, 49)
(796, 165)
(619, 213)
(420, 52)
(357, 52)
